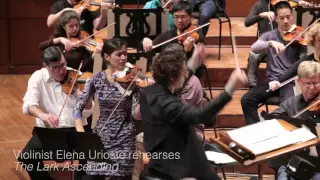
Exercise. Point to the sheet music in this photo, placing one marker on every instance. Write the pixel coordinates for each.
(290, 137)
(257, 132)
(219, 158)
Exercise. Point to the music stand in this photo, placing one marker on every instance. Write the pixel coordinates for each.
(224, 140)
(135, 24)
(80, 143)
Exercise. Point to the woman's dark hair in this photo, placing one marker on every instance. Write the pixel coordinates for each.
(168, 63)
(111, 45)
(281, 5)
(51, 54)
(182, 5)
(59, 30)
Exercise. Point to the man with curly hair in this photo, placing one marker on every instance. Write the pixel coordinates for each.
(168, 123)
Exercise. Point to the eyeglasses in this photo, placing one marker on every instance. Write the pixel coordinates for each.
(180, 17)
(309, 84)
(57, 68)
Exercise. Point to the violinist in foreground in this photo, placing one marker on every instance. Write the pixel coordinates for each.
(116, 129)
(44, 100)
(67, 33)
(309, 82)
(175, 144)
(90, 19)
(280, 59)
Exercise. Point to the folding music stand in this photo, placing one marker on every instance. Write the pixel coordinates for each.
(248, 158)
(135, 24)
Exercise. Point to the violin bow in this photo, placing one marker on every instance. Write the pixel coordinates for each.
(166, 4)
(307, 108)
(73, 83)
(299, 35)
(94, 33)
(285, 83)
(183, 34)
(114, 109)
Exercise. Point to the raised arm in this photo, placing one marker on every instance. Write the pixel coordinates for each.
(253, 17)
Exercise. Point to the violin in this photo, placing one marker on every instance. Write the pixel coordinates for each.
(293, 33)
(193, 34)
(293, 3)
(91, 5)
(90, 44)
(80, 81)
(129, 74)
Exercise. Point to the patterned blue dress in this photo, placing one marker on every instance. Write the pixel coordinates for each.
(118, 135)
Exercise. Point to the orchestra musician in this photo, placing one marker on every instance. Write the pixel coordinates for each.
(173, 121)
(89, 20)
(262, 13)
(309, 82)
(182, 19)
(117, 131)
(44, 100)
(312, 38)
(279, 61)
(66, 33)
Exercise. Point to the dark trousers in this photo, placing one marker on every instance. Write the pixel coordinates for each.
(33, 145)
(207, 8)
(251, 100)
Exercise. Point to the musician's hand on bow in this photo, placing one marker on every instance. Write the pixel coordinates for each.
(278, 47)
(188, 44)
(268, 15)
(147, 44)
(274, 85)
(50, 120)
(67, 43)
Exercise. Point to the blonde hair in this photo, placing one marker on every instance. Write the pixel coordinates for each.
(311, 34)
(308, 69)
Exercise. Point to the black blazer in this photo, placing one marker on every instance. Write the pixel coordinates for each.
(169, 137)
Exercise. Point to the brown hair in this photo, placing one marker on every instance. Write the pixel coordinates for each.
(168, 63)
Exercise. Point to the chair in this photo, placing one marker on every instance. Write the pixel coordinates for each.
(274, 100)
(219, 15)
(206, 80)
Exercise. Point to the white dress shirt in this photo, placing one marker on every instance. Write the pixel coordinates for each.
(47, 94)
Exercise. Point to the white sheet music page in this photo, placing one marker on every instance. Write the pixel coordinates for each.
(285, 139)
(257, 132)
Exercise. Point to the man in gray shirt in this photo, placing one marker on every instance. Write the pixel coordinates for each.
(272, 43)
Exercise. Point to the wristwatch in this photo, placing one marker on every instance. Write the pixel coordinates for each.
(270, 44)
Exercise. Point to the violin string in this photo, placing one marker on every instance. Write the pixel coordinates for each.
(114, 109)
(73, 83)
(183, 34)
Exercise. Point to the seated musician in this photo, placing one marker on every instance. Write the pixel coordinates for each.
(309, 81)
(272, 42)
(262, 13)
(182, 19)
(312, 38)
(68, 29)
(172, 120)
(89, 20)
(44, 100)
